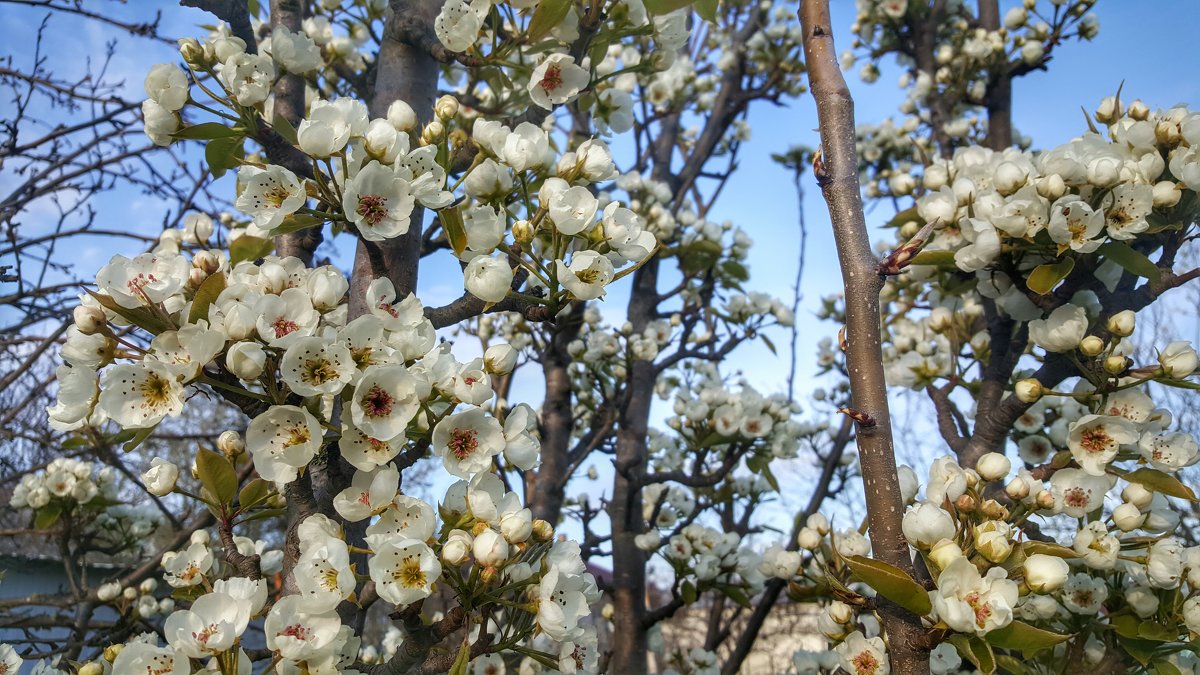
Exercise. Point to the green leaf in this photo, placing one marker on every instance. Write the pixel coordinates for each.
(1164, 667)
(903, 217)
(767, 341)
(138, 436)
(207, 132)
(223, 154)
(264, 514)
(217, 475)
(140, 317)
(47, 516)
(1133, 261)
(1157, 632)
(297, 222)
(460, 662)
(976, 651)
(707, 9)
(209, 289)
(548, 15)
(1011, 664)
(699, 256)
(1044, 278)
(934, 258)
(659, 7)
(737, 595)
(452, 224)
(246, 247)
(688, 591)
(1027, 639)
(1141, 650)
(254, 492)
(1046, 548)
(284, 128)
(1157, 481)
(891, 583)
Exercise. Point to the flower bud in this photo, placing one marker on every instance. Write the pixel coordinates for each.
(840, 612)
(160, 478)
(1029, 390)
(433, 132)
(1166, 194)
(1116, 364)
(1017, 489)
(608, 611)
(1009, 178)
(1091, 346)
(818, 522)
(246, 360)
(991, 540)
(994, 510)
(523, 232)
(542, 530)
(1139, 111)
(1138, 495)
(966, 504)
(231, 443)
(89, 320)
(1128, 517)
(1109, 110)
(129, 593)
(1167, 133)
(112, 651)
(926, 523)
(196, 276)
(940, 320)
(457, 548)
(500, 359)
(90, 668)
(192, 52)
(1051, 187)
(516, 526)
(490, 548)
(401, 116)
(148, 585)
(109, 591)
(1045, 573)
(1178, 360)
(808, 539)
(945, 552)
(446, 108)
(1122, 323)
(993, 466)
(1045, 500)
(207, 261)
(972, 478)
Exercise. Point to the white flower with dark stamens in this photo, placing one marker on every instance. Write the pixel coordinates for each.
(406, 518)
(472, 385)
(142, 657)
(268, 195)
(296, 632)
(426, 178)
(285, 318)
(385, 401)
(1168, 451)
(381, 299)
(313, 366)
(282, 440)
(248, 77)
(1132, 404)
(969, 603)
(561, 604)
(368, 494)
(457, 24)
(1078, 493)
(1075, 225)
(1084, 594)
(323, 574)
(468, 441)
(1094, 440)
(210, 627)
(586, 276)
(187, 350)
(404, 571)
(1126, 209)
(188, 567)
(365, 453)
(626, 233)
(140, 395)
(366, 339)
(378, 202)
(147, 279)
(1097, 547)
(556, 80)
(10, 660)
(860, 656)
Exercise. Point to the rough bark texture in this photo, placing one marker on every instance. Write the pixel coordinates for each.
(546, 487)
(999, 92)
(289, 104)
(864, 358)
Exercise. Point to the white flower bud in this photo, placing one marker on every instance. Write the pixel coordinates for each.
(231, 443)
(1091, 346)
(129, 593)
(1166, 194)
(1122, 323)
(490, 548)
(1128, 517)
(446, 107)
(1009, 178)
(945, 552)
(160, 478)
(500, 359)
(1178, 359)
(1138, 495)
(1045, 573)
(993, 466)
(89, 320)
(457, 548)
(246, 360)
(109, 591)
(808, 538)
(992, 540)
(1029, 390)
(1116, 364)
(517, 526)
(401, 116)
(1051, 187)
(1017, 489)
(940, 319)
(1109, 110)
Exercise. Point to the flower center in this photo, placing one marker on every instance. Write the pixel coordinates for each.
(463, 443)
(297, 631)
(372, 208)
(552, 79)
(1076, 497)
(377, 402)
(276, 196)
(1095, 439)
(319, 371)
(156, 390)
(329, 579)
(205, 633)
(410, 574)
(981, 609)
(283, 326)
(588, 276)
(865, 663)
(297, 435)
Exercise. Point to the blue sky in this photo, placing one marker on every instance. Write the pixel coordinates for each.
(1154, 55)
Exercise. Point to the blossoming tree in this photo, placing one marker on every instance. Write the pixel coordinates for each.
(1010, 297)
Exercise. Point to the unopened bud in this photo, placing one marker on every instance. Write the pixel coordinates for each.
(523, 232)
(112, 651)
(1122, 323)
(192, 52)
(1116, 364)
(1091, 346)
(1167, 133)
(90, 668)
(433, 132)
(1166, 194)
(994, 510)
(972, 478)
(1017, 489)
(1139, 111)
(446, 107)
(1109, 110)
(89, 320)
(542, 530)
(488, 575)
(945, 552)
(1051, 187)
(196, 277)
(1128, 517)
(205, 260)
(965, 504)
(1045, 500)
(401, 116)
(993, 466)
(1029, 390)
(1137, 494)
(230, 442)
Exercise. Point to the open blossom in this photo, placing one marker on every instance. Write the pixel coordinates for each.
(525, 147)
(368, 494)
(378, 202)
(626, 233)
(270, 194)
(862, 656)
(365, 453)
(146, 279)
(141, 657)
(458, 23)
(313, 366)
(1097, 547)
(1126, 209)
(248, 77)
(562, 603)
(323, 574)
(927, 523)
(1062, 330)
(405, 518)
(1168, 451)
(385, 401)
(1094, 440)
(282, 440)
(970, 603)
(285, 318)
(556, 80)
(296, 52)
(140, 395)
(468, 441)
(210, 627)
(1075, 225)
(1084, 594)
(586, 276)
(1078, 493)
(297, 632)
(572, 209)
(404, 571)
